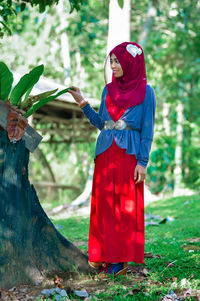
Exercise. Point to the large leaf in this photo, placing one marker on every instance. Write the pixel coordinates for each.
(42, 102)
(25, 83)
(43, 95)
(6, 80)
(36, 98)
(27, 94)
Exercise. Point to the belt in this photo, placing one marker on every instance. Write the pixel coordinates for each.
(118, 125)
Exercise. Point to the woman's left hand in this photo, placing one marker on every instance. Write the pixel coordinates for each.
(139, 174)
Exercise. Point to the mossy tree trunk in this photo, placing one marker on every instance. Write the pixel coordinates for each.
(30, 245)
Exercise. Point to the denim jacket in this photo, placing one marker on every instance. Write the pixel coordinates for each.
(137, 140)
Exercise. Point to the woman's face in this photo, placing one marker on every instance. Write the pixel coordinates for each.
(115, 66)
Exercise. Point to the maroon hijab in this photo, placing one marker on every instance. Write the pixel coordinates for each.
(130, 89)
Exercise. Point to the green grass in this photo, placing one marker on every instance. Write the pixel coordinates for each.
(167, 240)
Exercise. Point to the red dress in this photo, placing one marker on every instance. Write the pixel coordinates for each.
(117, 206)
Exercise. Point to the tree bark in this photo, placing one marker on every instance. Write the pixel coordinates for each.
(30, 246)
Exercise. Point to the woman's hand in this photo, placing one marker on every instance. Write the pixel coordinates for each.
(139, 174)
(76, 93)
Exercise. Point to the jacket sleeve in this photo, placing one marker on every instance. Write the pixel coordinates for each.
(94, 117)
(147, 130)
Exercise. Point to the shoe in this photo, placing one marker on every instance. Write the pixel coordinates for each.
(95, 265)
(116, 269)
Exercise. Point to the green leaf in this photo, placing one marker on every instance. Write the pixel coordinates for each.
(42, 102)
(43, 95)
(121, 3)
(35, 98)
(28, 93)
(6, 27)
(6, 80)
(25, 83)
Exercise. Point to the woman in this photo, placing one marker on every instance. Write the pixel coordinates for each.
(126, 121)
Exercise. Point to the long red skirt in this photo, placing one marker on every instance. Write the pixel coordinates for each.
(117, 209)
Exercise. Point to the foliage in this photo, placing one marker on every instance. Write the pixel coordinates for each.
(176, 266)
(10, 8)
(171, 50)
(43, 44)
(89, 27)
(6, 80)
(42, 101)
(25, 85)
(162, 164)
(173, 64)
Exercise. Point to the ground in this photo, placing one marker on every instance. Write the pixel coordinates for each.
(172, 262)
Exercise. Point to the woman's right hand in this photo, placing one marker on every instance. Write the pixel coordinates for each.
(76, 93)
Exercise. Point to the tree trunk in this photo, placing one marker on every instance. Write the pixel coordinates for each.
(119, 23)
(64, 41)
(80, 74)
(167, 131)
(178, 150)
(30, 246)
(166, 122)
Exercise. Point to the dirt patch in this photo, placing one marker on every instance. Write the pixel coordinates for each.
(71, 282)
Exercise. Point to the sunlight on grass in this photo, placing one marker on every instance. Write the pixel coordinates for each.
(167, 240)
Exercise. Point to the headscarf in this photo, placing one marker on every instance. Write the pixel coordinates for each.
(130, 89)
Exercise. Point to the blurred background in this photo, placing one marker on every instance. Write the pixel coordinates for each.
(73, 47)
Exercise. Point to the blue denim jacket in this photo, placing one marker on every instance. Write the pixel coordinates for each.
(140, 119)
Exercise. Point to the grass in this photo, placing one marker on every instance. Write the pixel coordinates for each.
(177, 268)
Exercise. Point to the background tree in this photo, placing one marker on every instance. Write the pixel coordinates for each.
(119, 23)
(172, 56)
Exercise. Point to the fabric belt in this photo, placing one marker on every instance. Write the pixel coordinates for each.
(118, 125)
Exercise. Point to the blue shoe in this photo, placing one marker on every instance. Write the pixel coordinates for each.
(114, 268)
